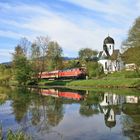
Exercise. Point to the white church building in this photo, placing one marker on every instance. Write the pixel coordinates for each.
(110, 58)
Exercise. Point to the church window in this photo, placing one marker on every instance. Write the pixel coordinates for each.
(110, 46)
(105, 65)
(106, 99)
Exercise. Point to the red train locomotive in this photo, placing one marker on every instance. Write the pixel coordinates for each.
(62, 74)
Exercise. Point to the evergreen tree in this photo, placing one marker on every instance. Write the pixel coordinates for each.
(22, 68)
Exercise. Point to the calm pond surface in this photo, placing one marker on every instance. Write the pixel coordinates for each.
(65, 114)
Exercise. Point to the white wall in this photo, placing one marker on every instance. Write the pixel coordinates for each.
(110, 48)
(103, 62)
(107, 65)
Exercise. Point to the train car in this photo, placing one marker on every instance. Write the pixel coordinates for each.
(72, 73)
(64, 74)
(49, 75)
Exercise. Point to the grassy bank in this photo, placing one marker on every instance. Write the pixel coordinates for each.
(54, 82)
(109, 82)
(121, 79)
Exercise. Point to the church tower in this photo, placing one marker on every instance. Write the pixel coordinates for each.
(108, 45)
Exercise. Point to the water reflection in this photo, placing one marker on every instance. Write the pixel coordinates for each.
(64, 94)
(129, 109)
(70, 114)
(3, 96)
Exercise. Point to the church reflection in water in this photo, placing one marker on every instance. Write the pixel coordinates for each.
(59, 111)
(109, 104)
(113, 105)
(108, 108)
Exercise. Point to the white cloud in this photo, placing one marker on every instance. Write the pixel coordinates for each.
(115, 7)
(36, 20)
(5, 52)
(10, 34)
(5, 55)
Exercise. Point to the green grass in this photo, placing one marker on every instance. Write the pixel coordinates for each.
(125, 74)
(54, 82)
(121, 91)
(107, 83)
(123, 79)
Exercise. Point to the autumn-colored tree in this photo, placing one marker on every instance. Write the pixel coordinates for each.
(54, 56)
(86, 54)
(94, 69)
(72, 63)
(131, 46)
(42, 42)
(36, 61)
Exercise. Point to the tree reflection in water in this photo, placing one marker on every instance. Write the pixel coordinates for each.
(131, 120)
(90, 105)
(4, 92)
(129, 109)
(44, 112)
(21, 101)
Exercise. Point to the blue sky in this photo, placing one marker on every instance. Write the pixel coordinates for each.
(74, 24)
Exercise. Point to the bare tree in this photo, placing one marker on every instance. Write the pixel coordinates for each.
(35, 59)
(25, 44)
(86, 54)
(43, 42)
(54, 56)
(131, 46)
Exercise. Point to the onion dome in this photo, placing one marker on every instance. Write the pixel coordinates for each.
(109, 40)
(110, 124)
(106, 50)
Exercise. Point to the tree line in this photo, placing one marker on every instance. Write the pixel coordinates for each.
(31, 58)
(131, 45)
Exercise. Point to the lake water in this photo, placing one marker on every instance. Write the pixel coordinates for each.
(66, 114)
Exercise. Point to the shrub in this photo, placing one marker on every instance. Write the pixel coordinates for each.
(14, 136)
(132, 74)
(94, 69)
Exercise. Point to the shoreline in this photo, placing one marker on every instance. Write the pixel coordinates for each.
(96, 83)
(106, 83)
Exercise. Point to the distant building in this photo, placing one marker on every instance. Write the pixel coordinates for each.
(130, 67)
(110, 58)
(132, 99)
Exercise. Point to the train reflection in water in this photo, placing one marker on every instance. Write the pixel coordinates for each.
(59, 113)
(62, 94)
(111, 105)
(116, 109)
